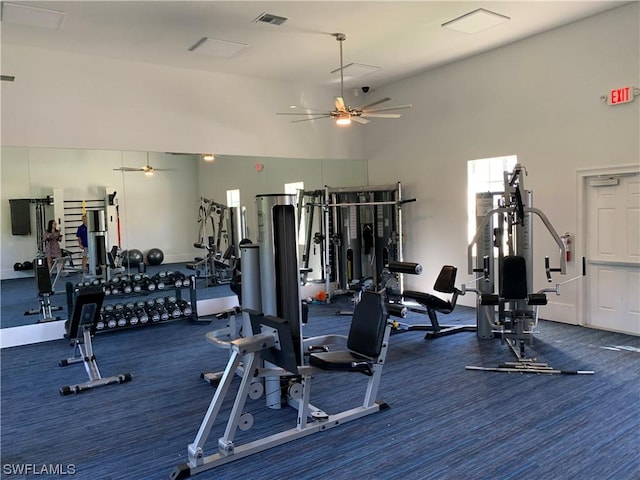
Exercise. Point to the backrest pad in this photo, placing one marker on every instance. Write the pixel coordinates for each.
(446, 281)
(368, 325)
(514, 278)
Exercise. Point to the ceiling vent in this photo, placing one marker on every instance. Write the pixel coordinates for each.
(32, 16)
(270, 18)
(475, 21)
(7, 78)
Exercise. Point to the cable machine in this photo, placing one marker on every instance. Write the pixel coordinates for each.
(364, 226)
(507, 304)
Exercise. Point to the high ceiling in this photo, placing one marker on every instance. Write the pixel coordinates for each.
(400, 37)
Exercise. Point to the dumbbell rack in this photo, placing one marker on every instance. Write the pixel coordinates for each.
(143, 301)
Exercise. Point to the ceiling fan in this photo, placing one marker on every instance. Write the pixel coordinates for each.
(147, 169)
(345, 114)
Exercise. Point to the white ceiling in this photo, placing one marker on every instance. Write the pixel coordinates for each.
(400, 37)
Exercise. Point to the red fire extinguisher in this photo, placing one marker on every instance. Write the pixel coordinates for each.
(566, 240)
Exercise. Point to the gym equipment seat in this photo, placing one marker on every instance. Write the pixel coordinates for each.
(518, 323)
(364, 342)
(445, 283)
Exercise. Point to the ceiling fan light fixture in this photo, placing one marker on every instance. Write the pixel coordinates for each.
(149, 173)
(343, 119)
(208, 157)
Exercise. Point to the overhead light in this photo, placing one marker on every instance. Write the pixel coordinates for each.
(343, 119)
(208, 157)
(32, 16)
(217, 48)
(475, 21)
(149, 173)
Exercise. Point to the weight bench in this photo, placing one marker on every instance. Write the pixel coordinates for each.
(434, 304)
(81, 328)
(45, 290)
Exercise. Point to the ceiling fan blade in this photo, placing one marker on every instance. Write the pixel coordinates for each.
(380, 115)
(163, 169)
(378, 102)
(306, 107)
(312, 118)
(303, 113)
(361, 120)
(129, 169)
(340, 106)
(383, 109)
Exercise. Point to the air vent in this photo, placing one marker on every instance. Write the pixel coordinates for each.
(7, 78)
(270, 18)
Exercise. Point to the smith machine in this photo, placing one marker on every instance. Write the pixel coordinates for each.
(507, 305)
(358, 232)
(275, 359)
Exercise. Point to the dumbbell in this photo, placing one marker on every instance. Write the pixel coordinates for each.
(164, 314)
(112, 319)
(154, 315)
(100, 324)
(130, 317)
(147, 284)
(142, 315)
(160, 282)
(184, 306)
(173, 309)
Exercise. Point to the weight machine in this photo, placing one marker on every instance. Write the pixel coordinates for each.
(361, 232)
(511, 312)
(276, 359)
(216, 264)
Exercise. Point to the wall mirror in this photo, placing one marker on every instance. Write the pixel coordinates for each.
(158, 211)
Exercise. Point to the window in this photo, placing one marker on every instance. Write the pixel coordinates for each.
(233, 198)
(485, 175)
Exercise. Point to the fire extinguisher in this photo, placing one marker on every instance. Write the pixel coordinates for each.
(566, 240)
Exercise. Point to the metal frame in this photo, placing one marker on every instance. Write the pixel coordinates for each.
(309, 418)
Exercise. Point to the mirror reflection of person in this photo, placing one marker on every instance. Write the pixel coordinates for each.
(83, 241)
(52, 239)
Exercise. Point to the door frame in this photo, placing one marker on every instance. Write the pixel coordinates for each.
(580, 244)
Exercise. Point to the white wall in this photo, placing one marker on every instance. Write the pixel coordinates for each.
(77, 101)
(538, 99)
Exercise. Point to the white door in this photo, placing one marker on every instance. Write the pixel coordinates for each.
(613, 253)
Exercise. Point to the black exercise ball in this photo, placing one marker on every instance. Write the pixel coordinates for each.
(155, 256)
(133, 258)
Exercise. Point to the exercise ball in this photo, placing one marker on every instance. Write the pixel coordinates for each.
(133, 258)
(155, 256)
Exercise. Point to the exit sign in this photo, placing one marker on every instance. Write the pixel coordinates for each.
(621, 95)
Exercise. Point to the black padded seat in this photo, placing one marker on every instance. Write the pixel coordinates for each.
(445, 283)
(364, 342)
(430, 300)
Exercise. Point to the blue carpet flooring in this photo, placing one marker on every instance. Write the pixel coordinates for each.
(445, 422)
